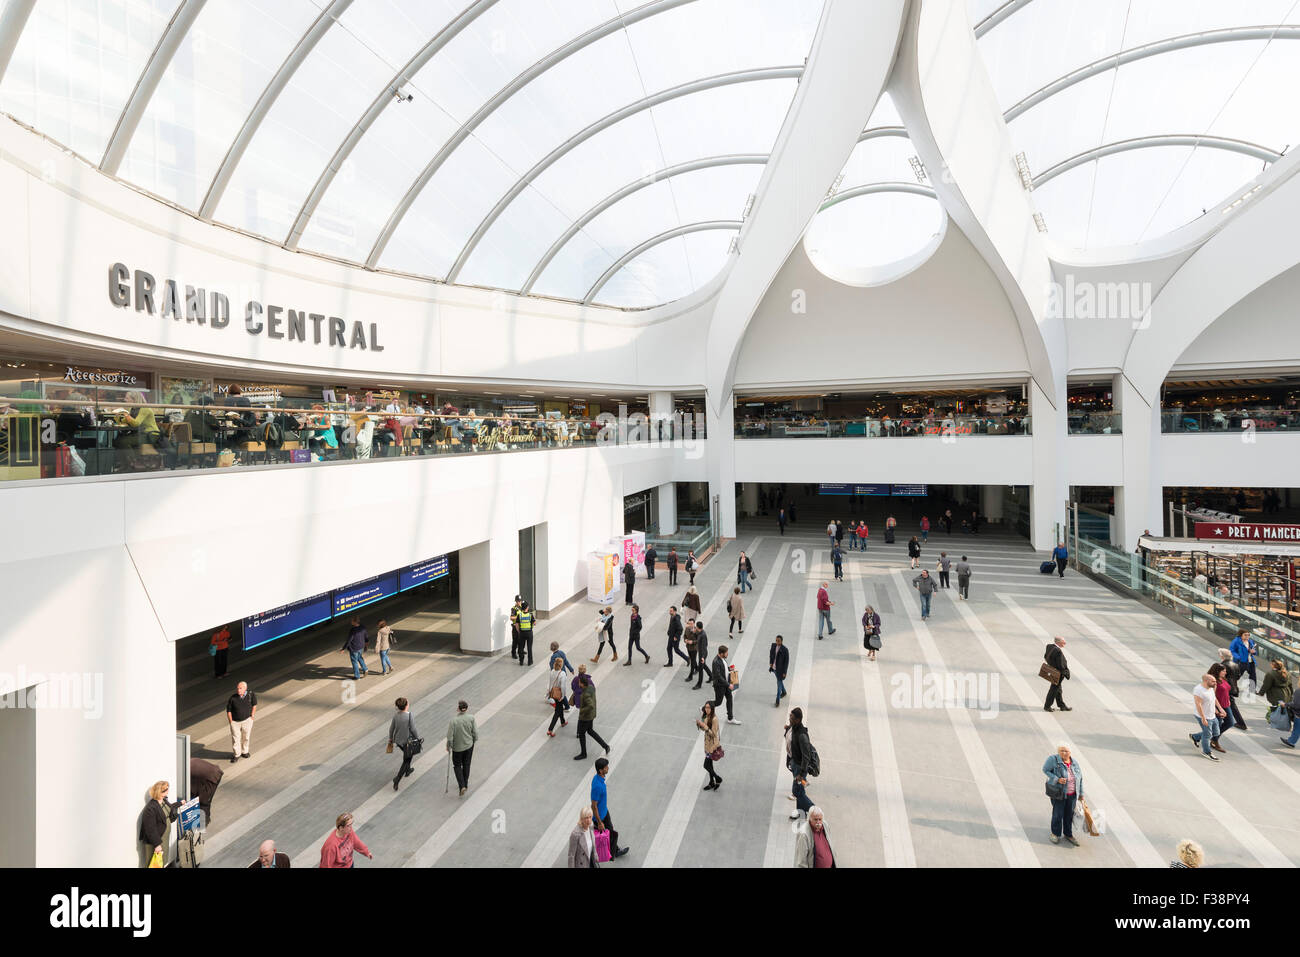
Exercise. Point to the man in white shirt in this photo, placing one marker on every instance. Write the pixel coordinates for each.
(1207, 710)
(830, 533)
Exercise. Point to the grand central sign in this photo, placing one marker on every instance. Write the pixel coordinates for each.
(201, 307)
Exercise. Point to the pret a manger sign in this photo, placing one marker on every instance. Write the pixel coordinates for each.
(170, 299)
(1247, 532)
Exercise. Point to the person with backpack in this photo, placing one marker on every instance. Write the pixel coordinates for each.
(802, 760)
(871, 632)
(634, 636)
(736, 610)
(914, 551)
(837, 562)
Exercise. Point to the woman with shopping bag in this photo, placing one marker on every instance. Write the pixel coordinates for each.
(156, 825)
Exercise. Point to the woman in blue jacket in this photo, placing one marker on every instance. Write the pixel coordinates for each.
(1064, 787)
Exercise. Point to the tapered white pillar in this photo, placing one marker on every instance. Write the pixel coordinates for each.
(489, 578)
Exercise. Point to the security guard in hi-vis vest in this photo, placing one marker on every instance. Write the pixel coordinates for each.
(514, 627)
(526, 620)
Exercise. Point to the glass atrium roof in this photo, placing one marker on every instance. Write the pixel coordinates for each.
(607, 151)
(881, 217)
(1139, 116)
(594, 150)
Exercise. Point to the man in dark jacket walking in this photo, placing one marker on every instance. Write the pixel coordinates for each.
(671, 562)
(780, 520)
(778, 663)
(650, 557)
(702, 654)
(354, 646)
(675, 636)
(1055, 657)
(722, 683)
(629, 579)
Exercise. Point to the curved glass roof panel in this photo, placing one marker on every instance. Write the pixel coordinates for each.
(879, 217)
(1188, 95)
(75, 65)
(218, 71)
(495, 137)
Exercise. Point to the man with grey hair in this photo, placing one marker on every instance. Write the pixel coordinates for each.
(268, 856)
(1055, 658)
(812, 846)
(241, 707)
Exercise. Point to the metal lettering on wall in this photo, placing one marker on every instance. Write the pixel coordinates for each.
(198, 306)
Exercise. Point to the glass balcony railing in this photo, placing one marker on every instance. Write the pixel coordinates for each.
(1276, 630)
(1236, 420)
(45, 438)
(1095, 423)
(955, 426)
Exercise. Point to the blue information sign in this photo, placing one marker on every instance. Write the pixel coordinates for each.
(190, 816)
(422, 572)
(285, 620)
(850, 489)
(911, 490)
(364, 592)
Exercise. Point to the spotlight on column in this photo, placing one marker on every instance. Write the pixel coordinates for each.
(918, 168)
(1040, 222)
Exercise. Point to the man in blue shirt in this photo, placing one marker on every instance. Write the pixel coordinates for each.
(600, 807)
(1061, 556)
(557, 653)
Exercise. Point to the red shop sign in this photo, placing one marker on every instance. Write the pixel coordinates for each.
(1247, 532)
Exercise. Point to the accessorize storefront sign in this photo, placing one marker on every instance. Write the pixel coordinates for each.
(183, 303)
(99, 377)
(1247, 532)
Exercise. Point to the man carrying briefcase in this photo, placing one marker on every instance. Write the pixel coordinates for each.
(1055, 669)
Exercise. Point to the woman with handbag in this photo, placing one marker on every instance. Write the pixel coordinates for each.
(691, 600)
(708, 723)
(692, 565)
(156, 825)
(555, 694)
(871, 632)
(914, 551)
(1064, 787)
(383, 643)
(401, 732)
(1276, 686)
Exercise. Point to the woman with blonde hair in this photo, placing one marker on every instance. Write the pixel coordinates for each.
(582, 841)
(691, 599)
(338, 848)
(1276, 686)
(555, 693)
(1189, 855)
(141, 418)
(156, 825)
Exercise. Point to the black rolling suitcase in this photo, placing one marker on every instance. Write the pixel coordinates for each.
(1047, 567)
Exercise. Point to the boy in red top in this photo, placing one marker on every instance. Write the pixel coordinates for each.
(221, 642)
(338, 847)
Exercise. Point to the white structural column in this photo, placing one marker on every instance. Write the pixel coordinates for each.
(489, 577)
(749, 498)
(1139, 500)
(661, 410)
(721, 447)
(946, 100)
(850, 60)
(991, 503)
(666, 499)
(1049, 492)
